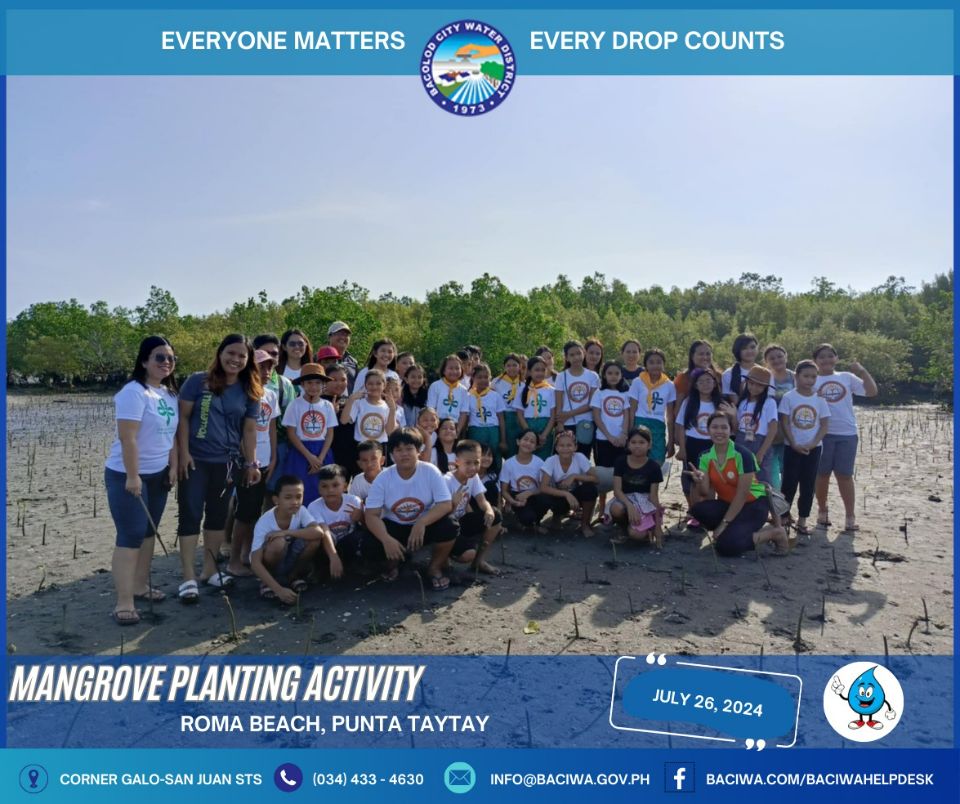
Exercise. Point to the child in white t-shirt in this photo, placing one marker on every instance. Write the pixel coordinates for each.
(408, 506)
(309, 420)
(757, 423)
(804, 420)
(370, 463)
(568, 479)
(520, 482)
(285, 541)
(447, 396)
(373, 415)
(480, 522)
(340, 512)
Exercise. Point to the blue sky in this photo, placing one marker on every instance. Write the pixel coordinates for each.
(215, 188)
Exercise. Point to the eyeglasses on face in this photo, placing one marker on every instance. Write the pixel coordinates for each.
(161, 358)
(296, 344)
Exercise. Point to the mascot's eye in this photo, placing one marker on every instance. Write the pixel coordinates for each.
(870, 691)
(861, 692)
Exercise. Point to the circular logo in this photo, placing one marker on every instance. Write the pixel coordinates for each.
(863, 702)
(701, 425)
(613, 406)
(832, 391)
(263, 420)
(407, 509)
(468, 68)
(746, 422)
(288, 777)
(525, 482)
(459, 777)
(33, 778)
(578, 391)
(804, 417)
(314, 424)
(371, 426)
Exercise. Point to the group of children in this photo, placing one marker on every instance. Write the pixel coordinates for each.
(369, 476)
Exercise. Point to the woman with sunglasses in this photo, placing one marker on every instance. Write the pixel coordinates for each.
(295, 350)
(140, 470)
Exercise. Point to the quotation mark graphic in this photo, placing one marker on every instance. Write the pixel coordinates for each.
(760, 744)
(652, 658)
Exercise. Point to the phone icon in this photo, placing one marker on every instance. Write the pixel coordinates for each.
(288, 777)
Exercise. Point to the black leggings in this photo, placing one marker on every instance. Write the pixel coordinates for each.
(695, 447)
(538, 505)
(800, 469)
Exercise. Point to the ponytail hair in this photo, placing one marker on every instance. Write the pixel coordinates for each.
(533, 361)
(736, 375)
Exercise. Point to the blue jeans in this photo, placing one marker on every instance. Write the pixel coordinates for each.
(127, 512)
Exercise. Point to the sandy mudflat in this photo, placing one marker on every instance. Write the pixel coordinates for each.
(678, 601)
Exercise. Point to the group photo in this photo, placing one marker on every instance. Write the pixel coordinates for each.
(606, 417)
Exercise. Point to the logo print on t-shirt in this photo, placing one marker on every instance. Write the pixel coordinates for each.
(656, 401)
(371, 425)
(313, 424)
(701, 425)
(832, 391)
(613, 406)
(525, 482)
(578, 391)
(408, 509)
(451, 404)
(539, 403)
(163, 409)
(339, 529)
(804, 417)
(263, 420)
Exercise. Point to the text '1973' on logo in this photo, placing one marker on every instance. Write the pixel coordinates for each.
(468, 68)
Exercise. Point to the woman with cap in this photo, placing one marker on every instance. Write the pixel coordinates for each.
(140, 470)
(757, 419)
(727, 498)
(217, 438)
(308, 422)
(250, 497)
(840, 444)
(338, 336)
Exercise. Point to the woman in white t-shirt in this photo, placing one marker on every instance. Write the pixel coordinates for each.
(140, 471)
(840, 444)
(294, 352)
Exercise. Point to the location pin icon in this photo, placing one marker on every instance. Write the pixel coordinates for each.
(34, 775)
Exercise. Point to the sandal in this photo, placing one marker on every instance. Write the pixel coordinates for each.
(439, 582)
(390, 575)
(823, 519)
(152, 594)
(126, 617)
(299, 586)
(851, 526)
(266, 593)
(219, 580)
(188, 592)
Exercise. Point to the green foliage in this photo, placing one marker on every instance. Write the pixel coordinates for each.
(492, 69)
(899, 333)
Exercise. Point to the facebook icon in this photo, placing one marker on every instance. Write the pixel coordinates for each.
(679, 777)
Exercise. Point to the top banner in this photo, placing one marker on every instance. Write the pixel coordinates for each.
(543, 42)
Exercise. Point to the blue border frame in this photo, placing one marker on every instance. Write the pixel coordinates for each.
(500, 4)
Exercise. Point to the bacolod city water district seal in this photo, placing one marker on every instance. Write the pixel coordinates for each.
(468, 68)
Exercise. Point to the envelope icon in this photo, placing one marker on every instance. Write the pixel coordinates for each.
(458, 777)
